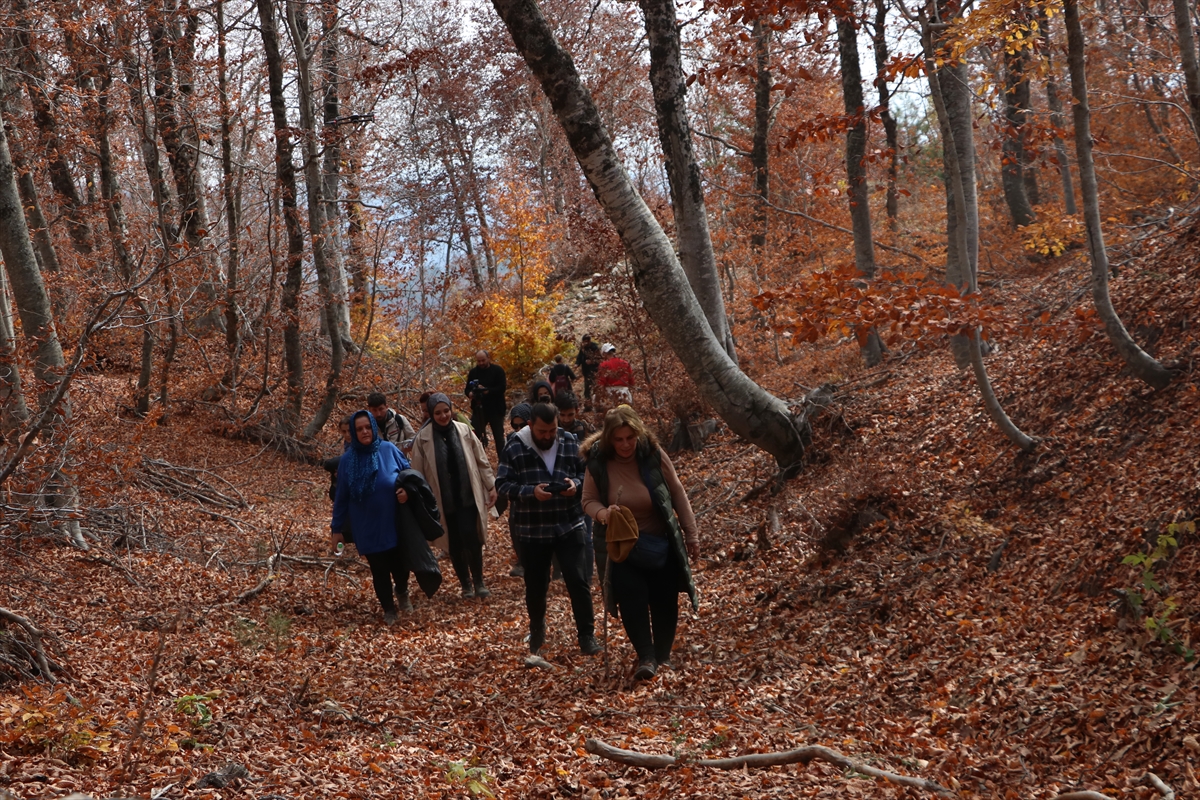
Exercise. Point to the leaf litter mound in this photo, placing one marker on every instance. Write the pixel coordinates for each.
(921, 598)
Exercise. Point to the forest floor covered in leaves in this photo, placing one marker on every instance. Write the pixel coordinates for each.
(931, 603)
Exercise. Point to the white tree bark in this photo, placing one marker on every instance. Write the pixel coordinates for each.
(750, 411)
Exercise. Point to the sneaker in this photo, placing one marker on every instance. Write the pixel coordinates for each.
(645, 671)
(406, 605)
(589, 646)
(482, 591)
(537, 638)
(468, 593)
(389, 618)
(517, 571)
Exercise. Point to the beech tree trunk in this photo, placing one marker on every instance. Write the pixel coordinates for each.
(1140, 363)
(1187, 58)
(37, 86)
(750, 411)
(1056, 119)
(13, 412)
(334, 307)
(957, 185)
(762, 128)
(232, 211)
(856, 170)
(879, 40)
(331, 171)
(683, 172)
(37, 324)
(1012, 151)
(293, 357)
(39, 228)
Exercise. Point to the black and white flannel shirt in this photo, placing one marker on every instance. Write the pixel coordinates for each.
(521, 469)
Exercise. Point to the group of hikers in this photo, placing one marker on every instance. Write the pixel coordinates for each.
(580, 502)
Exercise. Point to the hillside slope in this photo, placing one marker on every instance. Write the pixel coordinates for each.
(930, 602)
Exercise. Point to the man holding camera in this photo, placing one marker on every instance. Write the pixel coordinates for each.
(486, 384)
(541, 474)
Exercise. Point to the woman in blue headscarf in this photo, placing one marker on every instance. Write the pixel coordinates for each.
(366, 498)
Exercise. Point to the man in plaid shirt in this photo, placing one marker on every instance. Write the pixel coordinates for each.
(541, 474)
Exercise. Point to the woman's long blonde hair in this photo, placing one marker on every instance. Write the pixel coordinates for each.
(619, 417)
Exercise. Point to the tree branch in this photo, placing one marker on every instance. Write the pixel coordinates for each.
(737, 150)
(802, 755)
(35, 637)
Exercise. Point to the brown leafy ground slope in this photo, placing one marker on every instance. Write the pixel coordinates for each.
(931, 604)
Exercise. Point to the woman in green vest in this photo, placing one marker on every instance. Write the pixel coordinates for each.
(626, 468)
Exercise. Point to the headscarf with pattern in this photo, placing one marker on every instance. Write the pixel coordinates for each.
(364, 461)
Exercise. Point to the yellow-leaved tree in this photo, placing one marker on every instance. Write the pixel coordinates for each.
(513, 319)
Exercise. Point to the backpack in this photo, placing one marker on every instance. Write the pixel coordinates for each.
(561, 384)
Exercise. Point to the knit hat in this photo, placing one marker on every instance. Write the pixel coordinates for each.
(521, 411)
(621, 534)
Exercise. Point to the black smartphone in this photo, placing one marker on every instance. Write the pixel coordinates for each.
(557, 487)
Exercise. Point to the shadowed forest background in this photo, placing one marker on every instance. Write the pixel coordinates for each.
(932, 269)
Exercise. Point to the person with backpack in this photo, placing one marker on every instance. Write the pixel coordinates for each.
(631, 491)
(456, 467)
(561, 377)
(588, 360)
(393, 427)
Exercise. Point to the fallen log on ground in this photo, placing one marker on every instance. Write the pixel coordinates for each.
(801, 755)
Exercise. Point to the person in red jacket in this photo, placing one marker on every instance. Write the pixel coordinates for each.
(614, 377)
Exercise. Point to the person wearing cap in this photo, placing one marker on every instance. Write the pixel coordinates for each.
(456, 467)
(614, 377)
(631, 485)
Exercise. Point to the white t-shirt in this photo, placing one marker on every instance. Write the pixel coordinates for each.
(550, 457)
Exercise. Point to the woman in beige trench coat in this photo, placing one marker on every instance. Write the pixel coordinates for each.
(455, 465)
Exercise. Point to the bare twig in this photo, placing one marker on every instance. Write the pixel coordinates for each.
(1166, 791)
(1086, 795)
(128, 762)
(802, 755)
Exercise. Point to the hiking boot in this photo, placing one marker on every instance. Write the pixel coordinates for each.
(468, 593)
(517, 571)
(589, 646)
(482, 591)
(537, 638)
(666, 665)
(645, 671)
(406, 605)
(389, 618)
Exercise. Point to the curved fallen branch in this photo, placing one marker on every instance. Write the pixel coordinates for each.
(35, 635)
(1149, 778)
(802, 755)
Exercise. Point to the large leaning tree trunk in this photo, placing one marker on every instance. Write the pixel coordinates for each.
(962, 207)
(1143, 366)
(37, 324)
(683, 171)
(13, 412)
(750, 411)
(856, 170)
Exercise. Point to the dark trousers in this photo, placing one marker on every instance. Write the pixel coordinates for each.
(386, 567)
(572, 551)
(466, 551)
(649, 605)
(481, 419)
(589, 387)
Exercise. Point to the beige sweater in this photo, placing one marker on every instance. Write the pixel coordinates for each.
(625, 487)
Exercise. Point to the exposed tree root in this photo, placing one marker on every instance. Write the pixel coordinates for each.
(1150, 778)
(801, 755)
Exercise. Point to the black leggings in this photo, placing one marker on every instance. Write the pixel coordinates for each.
(649, 605)
(385, 567)
(466, 551)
